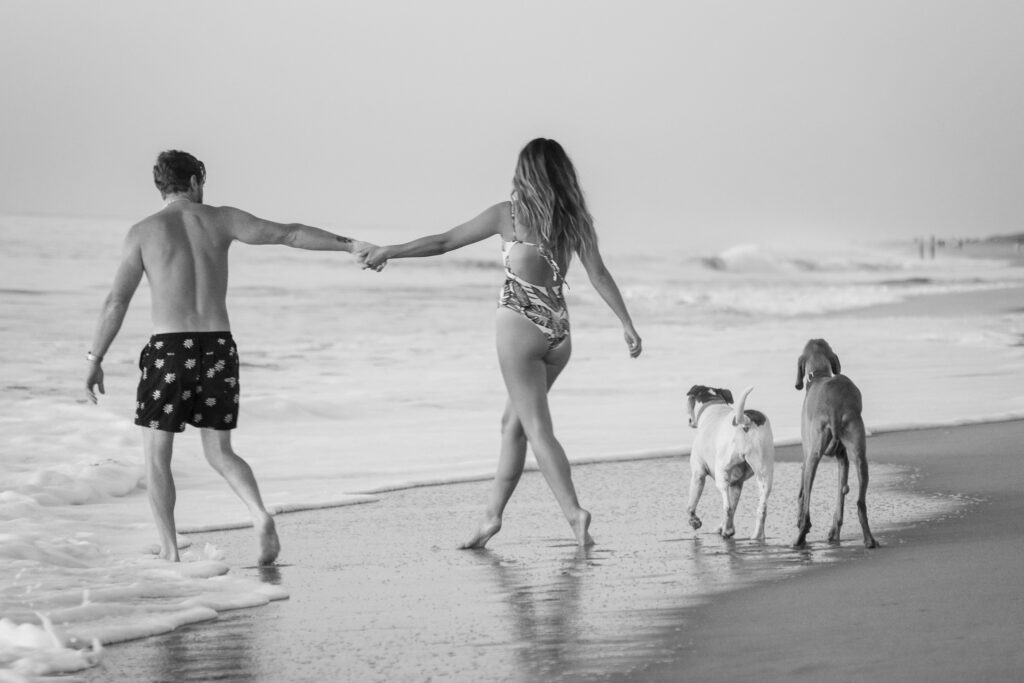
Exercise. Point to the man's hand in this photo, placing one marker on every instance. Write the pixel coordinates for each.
(361, 249)
(371, 256)
(375, 258)
(94, 378)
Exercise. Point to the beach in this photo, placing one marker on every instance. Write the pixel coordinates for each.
(942, 603)
(681, 197)
(363, 391)
(378, 592)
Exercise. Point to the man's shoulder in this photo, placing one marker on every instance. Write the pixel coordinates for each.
(226, 221)
(227, 213)
(211, 215)
(229, 219)
(146, 225)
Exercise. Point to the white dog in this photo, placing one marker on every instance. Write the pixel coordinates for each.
(732, 445)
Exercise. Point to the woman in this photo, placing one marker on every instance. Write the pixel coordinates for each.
(543, 225)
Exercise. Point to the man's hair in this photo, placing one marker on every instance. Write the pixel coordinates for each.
(173, 171)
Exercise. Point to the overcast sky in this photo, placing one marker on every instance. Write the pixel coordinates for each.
(706, 123)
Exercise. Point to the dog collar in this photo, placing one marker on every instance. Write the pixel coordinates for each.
(819, 375)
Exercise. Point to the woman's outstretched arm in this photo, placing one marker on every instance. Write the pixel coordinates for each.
(605, 285)
(474, 230)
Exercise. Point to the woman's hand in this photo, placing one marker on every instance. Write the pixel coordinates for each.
(372, 257)
(633, 340)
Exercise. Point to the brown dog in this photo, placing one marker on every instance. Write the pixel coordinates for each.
(831, 424)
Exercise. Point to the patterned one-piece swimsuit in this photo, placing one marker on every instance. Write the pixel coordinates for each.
(542, 305)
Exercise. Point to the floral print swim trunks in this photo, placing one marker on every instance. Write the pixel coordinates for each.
(188, 378)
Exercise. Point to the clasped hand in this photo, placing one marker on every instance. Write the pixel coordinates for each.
(370, 256)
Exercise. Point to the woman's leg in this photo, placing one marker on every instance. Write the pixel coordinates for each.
(510, 465)
(525, 361)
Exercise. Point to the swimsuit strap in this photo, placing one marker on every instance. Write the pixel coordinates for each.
(516, 240)
(541, 249)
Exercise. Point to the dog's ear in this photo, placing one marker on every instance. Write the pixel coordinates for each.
(694, 390)
(800, 366)
(833, 360)
(726, 394)
(691, 403)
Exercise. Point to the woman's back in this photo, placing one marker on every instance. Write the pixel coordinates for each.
(527, 258)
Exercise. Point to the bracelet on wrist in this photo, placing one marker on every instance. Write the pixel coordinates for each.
(93, 358)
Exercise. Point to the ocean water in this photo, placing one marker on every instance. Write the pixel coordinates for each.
(355, 383)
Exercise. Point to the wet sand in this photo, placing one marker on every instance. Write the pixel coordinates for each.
(944, 603)
(1006, 301)
(379, 593)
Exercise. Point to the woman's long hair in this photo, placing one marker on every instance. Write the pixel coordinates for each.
(548, 198)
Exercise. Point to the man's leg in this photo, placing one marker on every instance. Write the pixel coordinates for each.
(220, 455)
(157, 446)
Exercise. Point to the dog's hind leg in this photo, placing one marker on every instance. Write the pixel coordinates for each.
(854, 440)
(843, 465)
(696, 489)
(764, 484)
(812, 456)
(730, 499)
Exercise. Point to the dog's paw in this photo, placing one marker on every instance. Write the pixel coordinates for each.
(695, 522)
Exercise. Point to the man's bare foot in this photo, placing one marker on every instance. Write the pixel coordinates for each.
(488, 528)
(581, 527)
(165, 551)
(270, 546)
(169, 555)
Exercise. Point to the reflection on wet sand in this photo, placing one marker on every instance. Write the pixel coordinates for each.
(270, 574)
(190, 655)
(379, 592)
(548, 634)
(229, 652)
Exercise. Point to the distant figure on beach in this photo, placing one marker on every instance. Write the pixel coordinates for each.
(541, 228)
(189, 368)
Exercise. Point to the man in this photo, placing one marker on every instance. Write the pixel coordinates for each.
(190, 366)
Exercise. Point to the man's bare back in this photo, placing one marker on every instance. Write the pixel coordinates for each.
(183, 250)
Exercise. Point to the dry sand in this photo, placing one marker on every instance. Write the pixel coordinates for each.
(945, 604)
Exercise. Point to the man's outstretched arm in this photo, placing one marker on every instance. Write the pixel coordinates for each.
(126, 281)
(253, 230)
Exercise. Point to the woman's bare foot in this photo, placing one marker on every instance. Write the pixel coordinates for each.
(270, 546)
(581, 527)
(489, 527)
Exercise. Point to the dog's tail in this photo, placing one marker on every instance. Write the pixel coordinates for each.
(832, 432)
(739, 418)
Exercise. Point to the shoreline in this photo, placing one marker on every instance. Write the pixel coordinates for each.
(856, 616)
(1003, 299)
(373, 495)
